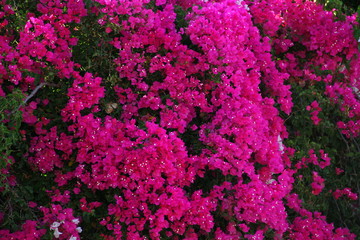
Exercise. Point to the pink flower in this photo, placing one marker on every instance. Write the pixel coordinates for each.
(315, 110)
(345, 192)
(32, 204)
(339, 171)
(317, 184)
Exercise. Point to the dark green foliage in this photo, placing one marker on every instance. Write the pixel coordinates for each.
(10, 121)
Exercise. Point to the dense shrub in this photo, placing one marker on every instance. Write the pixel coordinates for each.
(174, 119)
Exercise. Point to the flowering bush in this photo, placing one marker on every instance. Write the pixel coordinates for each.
(176, 119)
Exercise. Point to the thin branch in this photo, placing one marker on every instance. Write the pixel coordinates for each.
(356, 143)
(344, 139)
(28, 97)
(32, 93)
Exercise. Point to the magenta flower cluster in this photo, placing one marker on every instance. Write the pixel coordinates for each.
(207, 86)
(345, 192)
(315, 110)
(331, 43)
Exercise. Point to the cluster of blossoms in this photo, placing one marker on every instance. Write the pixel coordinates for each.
(315, 110)
(313, 225)
(312, 45)
(317, 184)
(194, 100)
(349, 103)
(29, 231)
(314, 159)
(62, 222)
(345, 192)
